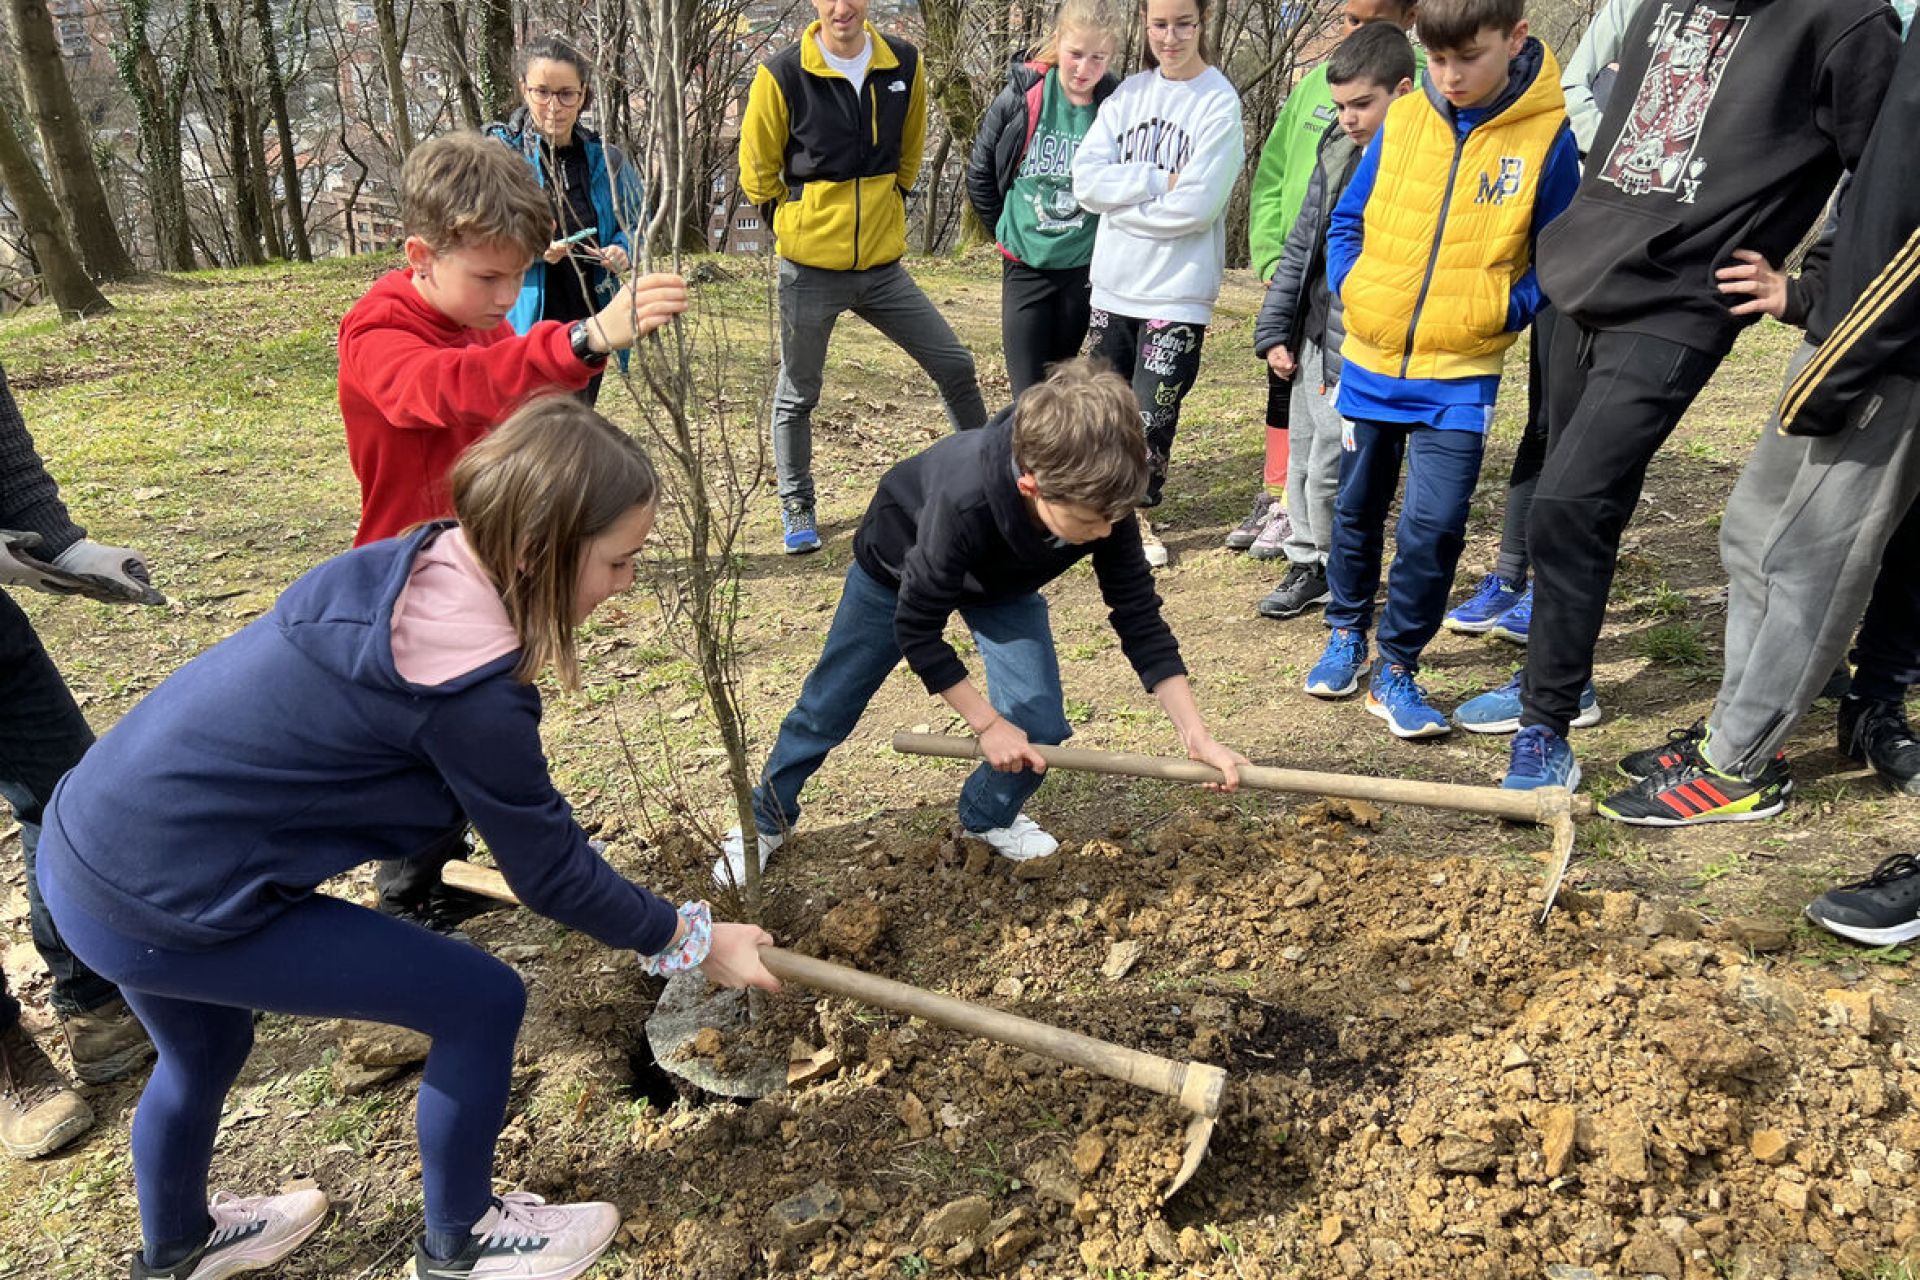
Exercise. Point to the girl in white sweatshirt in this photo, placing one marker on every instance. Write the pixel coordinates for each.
(1158, 167)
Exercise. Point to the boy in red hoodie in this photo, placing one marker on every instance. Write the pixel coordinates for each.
(428, 362)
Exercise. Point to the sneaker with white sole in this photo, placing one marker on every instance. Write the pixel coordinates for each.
(1396, 697)
(522, 1237)
(1341, 665)
(1021, 840)
(1242, 535)
(1150, 543)
(250, 1233)
(730, 868)
(1881, 911)
(1498, 710)
(1272, 542)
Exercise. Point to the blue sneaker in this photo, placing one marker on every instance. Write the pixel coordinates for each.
(1483, 608)
(1498, 710)
(1541, 758)
(796, 522)
(1513, 624)
(1395, 698)
(1338, 672)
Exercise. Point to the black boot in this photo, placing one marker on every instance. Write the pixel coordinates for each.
(1875, 730)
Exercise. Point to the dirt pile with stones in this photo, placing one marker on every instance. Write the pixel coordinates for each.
(1423, 1084)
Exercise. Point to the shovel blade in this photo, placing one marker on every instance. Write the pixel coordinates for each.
(1199, 1137)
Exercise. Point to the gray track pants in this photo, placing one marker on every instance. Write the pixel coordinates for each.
(811, 300)
(1801, 540)
(1313, 460)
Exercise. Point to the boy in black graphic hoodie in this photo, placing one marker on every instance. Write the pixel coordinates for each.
(1729, 124)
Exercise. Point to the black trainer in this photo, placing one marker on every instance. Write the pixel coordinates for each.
(1304, 586)
(1876, 731)
(1683, 747)
(1880, 911)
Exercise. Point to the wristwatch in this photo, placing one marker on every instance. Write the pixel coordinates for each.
(577, 336)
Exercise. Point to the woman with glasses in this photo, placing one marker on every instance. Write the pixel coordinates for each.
(594, 189)
(1158, 167)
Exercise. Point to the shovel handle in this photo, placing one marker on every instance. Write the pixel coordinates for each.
(1198, 1086)
(1523, 806)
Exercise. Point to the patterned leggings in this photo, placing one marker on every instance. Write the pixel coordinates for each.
(1161, 358)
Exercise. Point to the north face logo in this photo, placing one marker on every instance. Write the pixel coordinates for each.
(1504, 186)
(898, 86)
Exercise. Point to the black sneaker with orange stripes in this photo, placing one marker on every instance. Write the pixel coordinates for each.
(1690, 791)
(1683, 746)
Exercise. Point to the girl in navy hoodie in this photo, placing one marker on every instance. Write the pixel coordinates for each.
(387, 693)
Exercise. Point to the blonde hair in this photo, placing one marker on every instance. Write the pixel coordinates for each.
(1091, 17)
(1204, 37)
(465, 189)
(530, 496)
(1079, 435)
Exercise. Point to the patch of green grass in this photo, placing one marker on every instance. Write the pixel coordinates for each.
(1672, 644)
(1665, 602)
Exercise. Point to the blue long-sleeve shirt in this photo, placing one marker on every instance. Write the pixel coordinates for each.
(1459, 404)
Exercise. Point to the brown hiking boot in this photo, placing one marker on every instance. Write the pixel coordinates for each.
(38, 1111)
(106, 1043)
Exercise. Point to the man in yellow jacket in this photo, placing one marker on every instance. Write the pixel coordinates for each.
(829, 148)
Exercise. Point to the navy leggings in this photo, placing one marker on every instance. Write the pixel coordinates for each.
(321, 958)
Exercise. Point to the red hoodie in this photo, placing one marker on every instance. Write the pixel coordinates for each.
(416, 389)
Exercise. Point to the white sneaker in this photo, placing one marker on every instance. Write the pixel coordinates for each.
(1150, 543)
(1022, 840)
(522, 1237)
(250, 1233)
(730, 868)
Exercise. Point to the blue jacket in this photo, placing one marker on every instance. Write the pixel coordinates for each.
(293, 751)
(619, 204)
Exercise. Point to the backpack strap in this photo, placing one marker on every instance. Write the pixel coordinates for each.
(1034, 99)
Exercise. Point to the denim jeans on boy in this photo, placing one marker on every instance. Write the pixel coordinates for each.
(1442, 467)
(42, 735)
(1023, 684)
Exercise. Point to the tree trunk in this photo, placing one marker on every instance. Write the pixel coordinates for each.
(283, 126)
(948, 87)
(935, 169)
(270, 232)
(73, 293)
(498, 83)
(158, 97)
(242, 209)
(63, 135)
(456, 36)
(389, 29)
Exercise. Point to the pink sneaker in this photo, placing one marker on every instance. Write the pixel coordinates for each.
(250, 1233)
(524, 1238)
(1272, 542)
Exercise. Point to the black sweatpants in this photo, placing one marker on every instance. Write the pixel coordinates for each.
(1613, 398)
(1043, 318)
(1161, 358)
(1886, 653)
(1529, 458)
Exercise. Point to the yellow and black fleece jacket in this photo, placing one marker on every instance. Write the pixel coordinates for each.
(834, 165)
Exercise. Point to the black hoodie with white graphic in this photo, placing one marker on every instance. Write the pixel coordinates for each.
(1729, 124)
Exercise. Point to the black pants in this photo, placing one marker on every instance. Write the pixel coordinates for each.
(1613, 398)
(42, 735)
(1043, 319)
(1529, 458)
(1887, 650)
(1161, 358)
(1279, 400)
(406, 884)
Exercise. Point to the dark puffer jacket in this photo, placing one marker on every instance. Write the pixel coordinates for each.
(1303, 261)
(1005, 131)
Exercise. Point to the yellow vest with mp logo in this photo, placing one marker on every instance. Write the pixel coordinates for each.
(1448, 229)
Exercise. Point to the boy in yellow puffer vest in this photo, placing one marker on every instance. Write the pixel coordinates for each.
(1431, 252)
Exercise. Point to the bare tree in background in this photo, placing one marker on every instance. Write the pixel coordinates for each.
(154, 51)
(392, 46)
(241, 204)
(291, 193)
(66, 278)
(64, 140)
(499, 86)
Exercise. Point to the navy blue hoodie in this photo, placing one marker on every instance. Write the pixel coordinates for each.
(293, 751)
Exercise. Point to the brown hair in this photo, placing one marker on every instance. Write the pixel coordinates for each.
(465, 189)
(1078, 434)
(1092, 17)
(1378, 53)
(559, 49)
(1204, 37)
(530, 496)
(1452, 24)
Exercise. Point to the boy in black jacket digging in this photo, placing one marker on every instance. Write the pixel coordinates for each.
(976, 525)
(1710, 154)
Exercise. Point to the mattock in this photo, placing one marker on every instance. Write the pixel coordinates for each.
(1550, 807)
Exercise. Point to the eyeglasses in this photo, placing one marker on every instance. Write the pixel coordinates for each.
(1186, 29)
(565, 97)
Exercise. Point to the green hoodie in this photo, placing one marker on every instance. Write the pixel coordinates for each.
(1286, 163)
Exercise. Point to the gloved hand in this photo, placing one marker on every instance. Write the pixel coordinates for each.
(19, 567)
(116, 575)
(1346, 435)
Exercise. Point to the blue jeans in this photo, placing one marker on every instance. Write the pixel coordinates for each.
(1442, 468)
(42, 735)
(1023, 684)
(320, 958)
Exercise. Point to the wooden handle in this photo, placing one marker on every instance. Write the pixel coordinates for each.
(1523, 806)
(1197, 1085)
